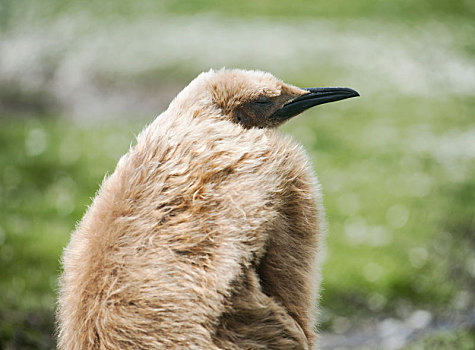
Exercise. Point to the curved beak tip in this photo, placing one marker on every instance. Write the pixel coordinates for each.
(314, 97)
(333, 91)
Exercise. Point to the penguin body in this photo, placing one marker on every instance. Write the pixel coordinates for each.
(206, 235)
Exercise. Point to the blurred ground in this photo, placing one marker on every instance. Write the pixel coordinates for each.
(79, 79)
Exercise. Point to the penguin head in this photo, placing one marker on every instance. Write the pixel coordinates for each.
(255, 99)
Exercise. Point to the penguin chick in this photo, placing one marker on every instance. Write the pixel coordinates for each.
(206, 234)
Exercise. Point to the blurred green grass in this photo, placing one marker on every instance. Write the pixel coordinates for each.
(339, 9)
(397, 174)
(390, 199)
(460, 340)
(50, 172)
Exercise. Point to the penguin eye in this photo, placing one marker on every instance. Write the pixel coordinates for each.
(262, 100)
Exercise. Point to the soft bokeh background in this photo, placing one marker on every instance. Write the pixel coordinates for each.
(79, 79)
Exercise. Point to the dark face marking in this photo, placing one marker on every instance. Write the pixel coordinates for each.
(256, 113)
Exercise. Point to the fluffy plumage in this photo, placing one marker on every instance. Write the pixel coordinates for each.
(205, 236)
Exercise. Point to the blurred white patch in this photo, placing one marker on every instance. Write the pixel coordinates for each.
(373, 56)
(380, 135)
(372, 271)
(341, 325)
(115, 143)
(419, 319)
(462, 299)
(420, 184)
(377, 302)
(64, 204)
(471, 266)
(397, 216)
(378, 236)
(35, 142)
(62, 193)
(454, 150)
(332, 179)
(418, 257)
(393, 333)
(355, 230)
(358, 232)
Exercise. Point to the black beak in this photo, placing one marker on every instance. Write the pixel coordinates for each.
(316, 96)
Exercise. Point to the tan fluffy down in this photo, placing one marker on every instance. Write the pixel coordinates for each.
(204, 237)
